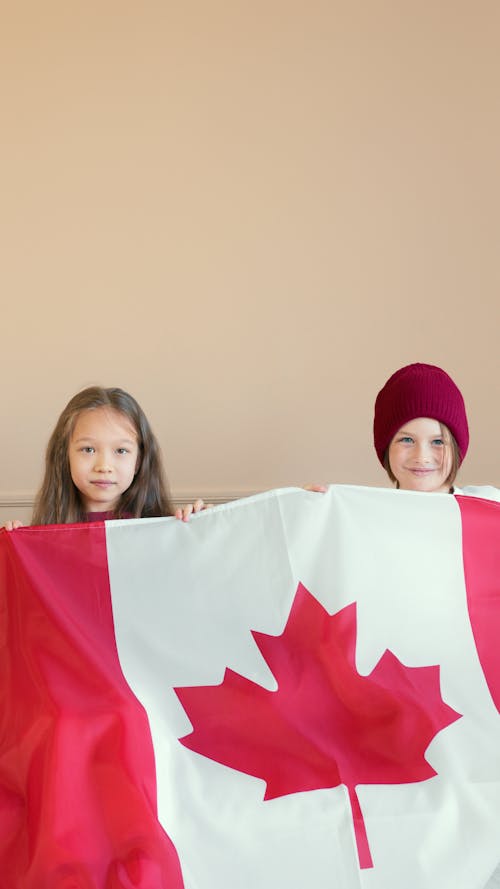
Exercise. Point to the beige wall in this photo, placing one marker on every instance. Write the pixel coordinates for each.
(247, 214)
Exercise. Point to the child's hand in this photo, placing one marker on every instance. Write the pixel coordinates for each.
(10, 526)
(321, 489)
(184, 512)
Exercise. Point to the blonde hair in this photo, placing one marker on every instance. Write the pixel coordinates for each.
(449, 440)
(59, 501)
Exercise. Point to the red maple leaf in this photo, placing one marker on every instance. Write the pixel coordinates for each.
(326, 724)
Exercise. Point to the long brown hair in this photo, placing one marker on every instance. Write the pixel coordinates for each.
(59, 501)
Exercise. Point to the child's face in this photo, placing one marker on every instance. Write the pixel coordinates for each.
(420, 456)
(103, 457)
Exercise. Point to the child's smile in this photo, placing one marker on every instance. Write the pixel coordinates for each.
(420, 456)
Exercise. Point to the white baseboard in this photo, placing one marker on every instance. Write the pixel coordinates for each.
(15, 500)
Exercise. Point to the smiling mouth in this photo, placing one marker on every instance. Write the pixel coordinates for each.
(422, 471)
(103, 484)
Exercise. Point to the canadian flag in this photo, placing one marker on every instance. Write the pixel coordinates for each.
(293, 690)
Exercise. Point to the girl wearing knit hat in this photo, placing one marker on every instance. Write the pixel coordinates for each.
(420, 431)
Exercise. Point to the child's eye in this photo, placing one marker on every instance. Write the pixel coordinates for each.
(406, 439)
(87, 449)
(122, 450)
(437, 441)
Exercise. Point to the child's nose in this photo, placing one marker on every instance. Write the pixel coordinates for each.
(423, 453)
(103, 463)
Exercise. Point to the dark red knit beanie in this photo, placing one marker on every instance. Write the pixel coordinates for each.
(419, 390)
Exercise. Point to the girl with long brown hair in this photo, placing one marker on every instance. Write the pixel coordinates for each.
(103, 461)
